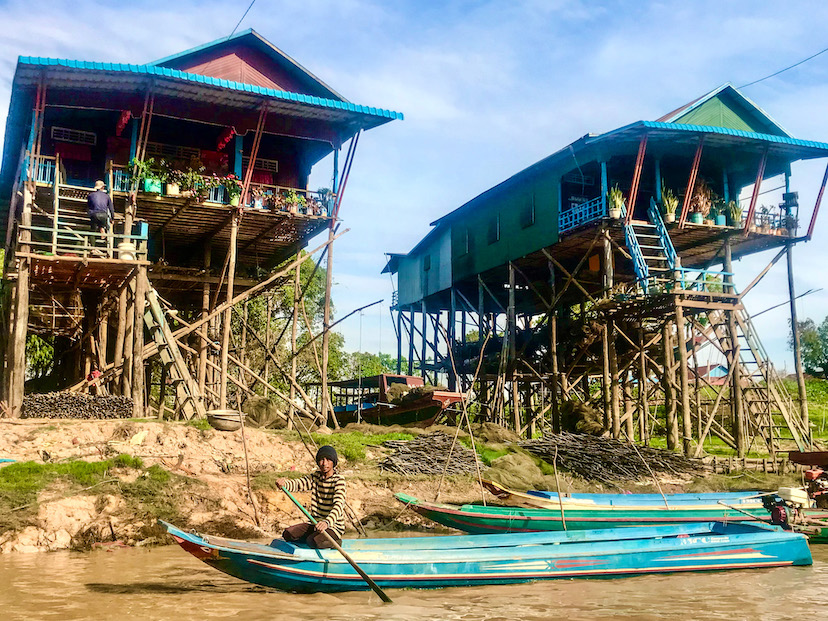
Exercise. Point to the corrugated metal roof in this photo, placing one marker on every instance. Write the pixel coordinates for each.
(174, 74)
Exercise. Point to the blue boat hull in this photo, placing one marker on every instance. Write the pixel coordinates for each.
(433, 562)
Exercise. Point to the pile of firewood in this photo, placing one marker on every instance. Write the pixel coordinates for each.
(427, 454)
(75, 405)
(608, 460)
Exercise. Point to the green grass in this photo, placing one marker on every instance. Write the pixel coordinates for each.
(351, 445)
(199, 423)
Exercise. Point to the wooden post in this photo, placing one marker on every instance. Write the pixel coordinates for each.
(225, 336)
(668, 381)
(643, 404)
(327, 408)
(21, 309)
(734, 359)
(606, 378)
(141, 283)
(687, 426)
(511, 329)
(615, 379)
(294, 331)
(411, 340)
(450, 337)
(423, 341)
(203, 345)
(797, 346)
(553, 354)
(399, 340)
(266, 372)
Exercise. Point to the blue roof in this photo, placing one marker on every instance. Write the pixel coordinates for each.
(722, 131)
(164, 72)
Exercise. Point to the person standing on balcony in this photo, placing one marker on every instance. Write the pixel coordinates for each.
(101, 211)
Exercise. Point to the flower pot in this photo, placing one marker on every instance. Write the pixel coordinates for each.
(173, 189)
(615, 212)
(669, 217)
(696, 217)
(152, 185)
(234, 201)
(721, 221)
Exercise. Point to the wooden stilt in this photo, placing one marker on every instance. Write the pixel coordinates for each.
(327, 408)
(734, 360)
(204, 346)
(225, 335)
(553, 354)
(797, 346)
(21, 310)
(138, 344)
(643, 402)
(668, 381)
(684, 376)
(293, 336)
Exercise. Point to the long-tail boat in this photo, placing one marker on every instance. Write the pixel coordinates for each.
(429, 562)
(473, 518)
(552, 500)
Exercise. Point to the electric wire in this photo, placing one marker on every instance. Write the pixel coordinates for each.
(242, 18)
(767, 77)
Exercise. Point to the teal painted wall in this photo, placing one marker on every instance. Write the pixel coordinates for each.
(474, 249)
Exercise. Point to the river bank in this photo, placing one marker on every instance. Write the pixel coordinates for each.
(82, 484)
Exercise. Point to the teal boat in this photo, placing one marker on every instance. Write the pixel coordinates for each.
(478, 519)
(432, 562)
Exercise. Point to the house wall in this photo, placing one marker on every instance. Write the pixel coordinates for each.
(426, 271)
(474, 247)
(240, 63)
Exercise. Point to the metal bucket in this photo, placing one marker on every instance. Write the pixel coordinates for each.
(224, 420)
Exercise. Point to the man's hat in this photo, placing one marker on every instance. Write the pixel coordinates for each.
(329, 452)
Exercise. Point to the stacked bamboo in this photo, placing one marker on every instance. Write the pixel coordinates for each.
(76, 405)
(608, 460)
(428, 454)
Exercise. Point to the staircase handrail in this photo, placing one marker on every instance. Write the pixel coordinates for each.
(642, 272)
(663, 234)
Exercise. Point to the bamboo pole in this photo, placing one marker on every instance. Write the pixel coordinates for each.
(141, 283)
(204, 348)
(327, 408)
(294, 331)
(687, 426)
(21, 310)
(225, 336)
(797, 345)
(668, 384)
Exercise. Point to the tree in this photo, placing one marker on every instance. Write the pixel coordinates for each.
(813, 342)
(364, 364)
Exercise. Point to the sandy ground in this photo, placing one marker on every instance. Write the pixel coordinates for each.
(217, 459)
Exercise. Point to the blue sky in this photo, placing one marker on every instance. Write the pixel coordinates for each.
(487, 88)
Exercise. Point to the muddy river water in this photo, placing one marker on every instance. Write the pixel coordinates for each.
(167, 583)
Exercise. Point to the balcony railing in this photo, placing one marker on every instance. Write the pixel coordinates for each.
(581, 214)
(261, 196)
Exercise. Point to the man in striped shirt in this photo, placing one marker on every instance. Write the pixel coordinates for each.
(327, 490)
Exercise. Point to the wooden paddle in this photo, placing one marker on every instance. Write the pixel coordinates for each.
(358, 569)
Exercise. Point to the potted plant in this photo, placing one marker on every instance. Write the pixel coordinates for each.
(173, 179)
(233, 187)
(616, 202)
(192, 183)
(669, 202)
(735, 214)
(791, 224)
(701, 202)
(764, 220)
(326, 198)
(148, 172)
(721, 210)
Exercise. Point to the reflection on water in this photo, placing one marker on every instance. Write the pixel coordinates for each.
(168, 583)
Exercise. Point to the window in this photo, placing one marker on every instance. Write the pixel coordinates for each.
(463, 246)
(527, 212)
(494, 229)
(426, 262)
(75, 136)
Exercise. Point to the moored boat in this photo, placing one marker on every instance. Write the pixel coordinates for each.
(553, 500)
(495, 519)
(370, 399)
(431, 562)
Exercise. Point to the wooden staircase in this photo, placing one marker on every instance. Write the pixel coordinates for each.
(188, 398)
(769, 407)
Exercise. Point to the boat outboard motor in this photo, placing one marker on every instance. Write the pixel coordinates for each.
(817, 480)
(777, 508)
